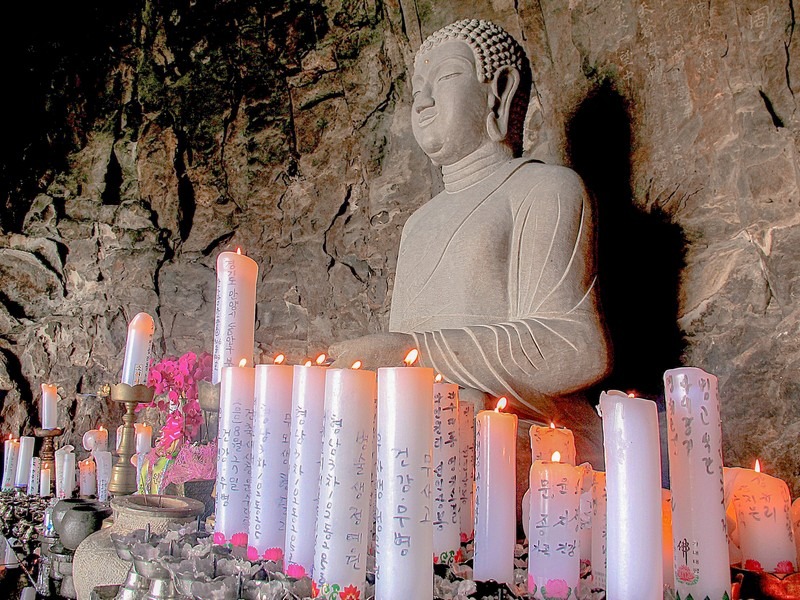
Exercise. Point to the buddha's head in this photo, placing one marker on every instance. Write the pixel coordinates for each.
(471, 87)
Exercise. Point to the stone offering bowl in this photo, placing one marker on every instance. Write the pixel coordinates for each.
(62, 506)
(79, 522)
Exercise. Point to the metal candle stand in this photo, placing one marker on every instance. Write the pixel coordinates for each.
(48, 451)
(123, 474)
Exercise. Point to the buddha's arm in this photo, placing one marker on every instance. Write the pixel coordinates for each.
(554, 341)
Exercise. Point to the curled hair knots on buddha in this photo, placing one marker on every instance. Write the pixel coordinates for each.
(492, 46)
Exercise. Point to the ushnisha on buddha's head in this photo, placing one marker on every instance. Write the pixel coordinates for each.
(471, 88)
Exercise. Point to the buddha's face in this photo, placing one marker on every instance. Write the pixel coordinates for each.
(450, 104)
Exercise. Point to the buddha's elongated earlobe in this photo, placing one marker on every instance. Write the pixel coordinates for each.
(504, 85)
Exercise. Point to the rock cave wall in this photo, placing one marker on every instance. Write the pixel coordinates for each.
(148, 136)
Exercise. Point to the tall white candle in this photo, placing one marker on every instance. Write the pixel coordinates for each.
(668, 556)
(271, 434)
(546, 440)
(24, 460)
(633, 482)
(234, 454)
(795, 516)
(49, 408)
(10, 459)
(144, 438)
(599, 530)
(404, 524)
(68, 475)
(700, 541)
(343, 518)
(138, 349)
(553, 552)
(495, 503)
(446, 489)
(466, 444)
(61, 453)
(103, 461)
(33, 475)
(44, 483)
(234, 323)
(308, 407)
(585, 515)
(87, 483)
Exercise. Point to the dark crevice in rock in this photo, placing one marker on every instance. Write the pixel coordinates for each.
(787, 46)
(14, 309)
(113, 181)
(776, 120)
(14, 369)
(186, 199)
(54, 269)
(216, 243)
(322, 98)
(342, 210)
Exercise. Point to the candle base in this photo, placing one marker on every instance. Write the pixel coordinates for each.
(48, 451)
(123, 474)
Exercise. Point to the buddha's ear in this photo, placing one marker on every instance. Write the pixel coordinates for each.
(504, 85)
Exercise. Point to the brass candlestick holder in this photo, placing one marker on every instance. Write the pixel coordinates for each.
(48, 451)
(123, 474)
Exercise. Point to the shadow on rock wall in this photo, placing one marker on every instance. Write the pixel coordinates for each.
(640, 254)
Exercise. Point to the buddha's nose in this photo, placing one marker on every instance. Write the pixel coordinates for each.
(422, 100)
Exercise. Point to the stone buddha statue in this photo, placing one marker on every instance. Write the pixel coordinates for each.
(496, 279)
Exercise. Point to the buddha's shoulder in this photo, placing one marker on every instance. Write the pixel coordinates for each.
(531, 175)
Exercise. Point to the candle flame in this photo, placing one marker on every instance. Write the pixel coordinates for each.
(239, 250)
(757, 468)
(321, 359)
(556, 456)
(278, 360)
(552, 425)
(438, 378)
(307, 363)
(101, 428)
(501, 404)
(411, 357)
(631, 395)
(243, 362)
(356, 365)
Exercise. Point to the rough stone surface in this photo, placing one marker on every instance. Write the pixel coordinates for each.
(185, 129)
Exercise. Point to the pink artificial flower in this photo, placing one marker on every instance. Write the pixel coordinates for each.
(252, 553)
(531, 584)
(753, 565)
(239, 539)
(219, 538)
(273, 554)
(556, 588)
(295, 571)
(785, 567)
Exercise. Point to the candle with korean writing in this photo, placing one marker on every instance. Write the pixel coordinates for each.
(44, 482)
(10, 458)
(446, 490)
(33, 476)
(305, 456)
(599, 530)
(343, 518)
(763, 522)
(235, 318)
(68, 476)
(633, 484)
(795, 517)
(60, 459)
(138, 347)
(546, 440)
(495, 494)
(404, 523)
(553, 552)
(271, 433)
(87, 479)
(585, 515)
(668, 556)
(234, 454)
(26, 444)
(103, 463)
(466, 445)
(700, 542)
(48, 413)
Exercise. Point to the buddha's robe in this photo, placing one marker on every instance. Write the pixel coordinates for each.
(497, 283)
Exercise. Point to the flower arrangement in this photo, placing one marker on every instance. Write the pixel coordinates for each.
(175, 382)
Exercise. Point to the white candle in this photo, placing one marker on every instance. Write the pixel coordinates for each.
(10, 458)
(343, 518)
(308, 406)
(585, 515)
(700, 541)
(466, 444)
(103, 462)
(553, 552)
(446, 488)
(49, 408)
(44, 483)
(546, 440)
(33, 476)
(24, 460)
(795, 516)
(668, 556)
(68, 475)
(234, 455)
(61, 453)
(495, 503)
(97, 439)
(763, 522)
(271, 434)
(144, 438)
(88, 478)
(599, 530)
(138, 347)
(234, 323)
(633, 483)
(404, 531)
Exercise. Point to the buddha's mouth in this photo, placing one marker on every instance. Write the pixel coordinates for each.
(425, 118)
